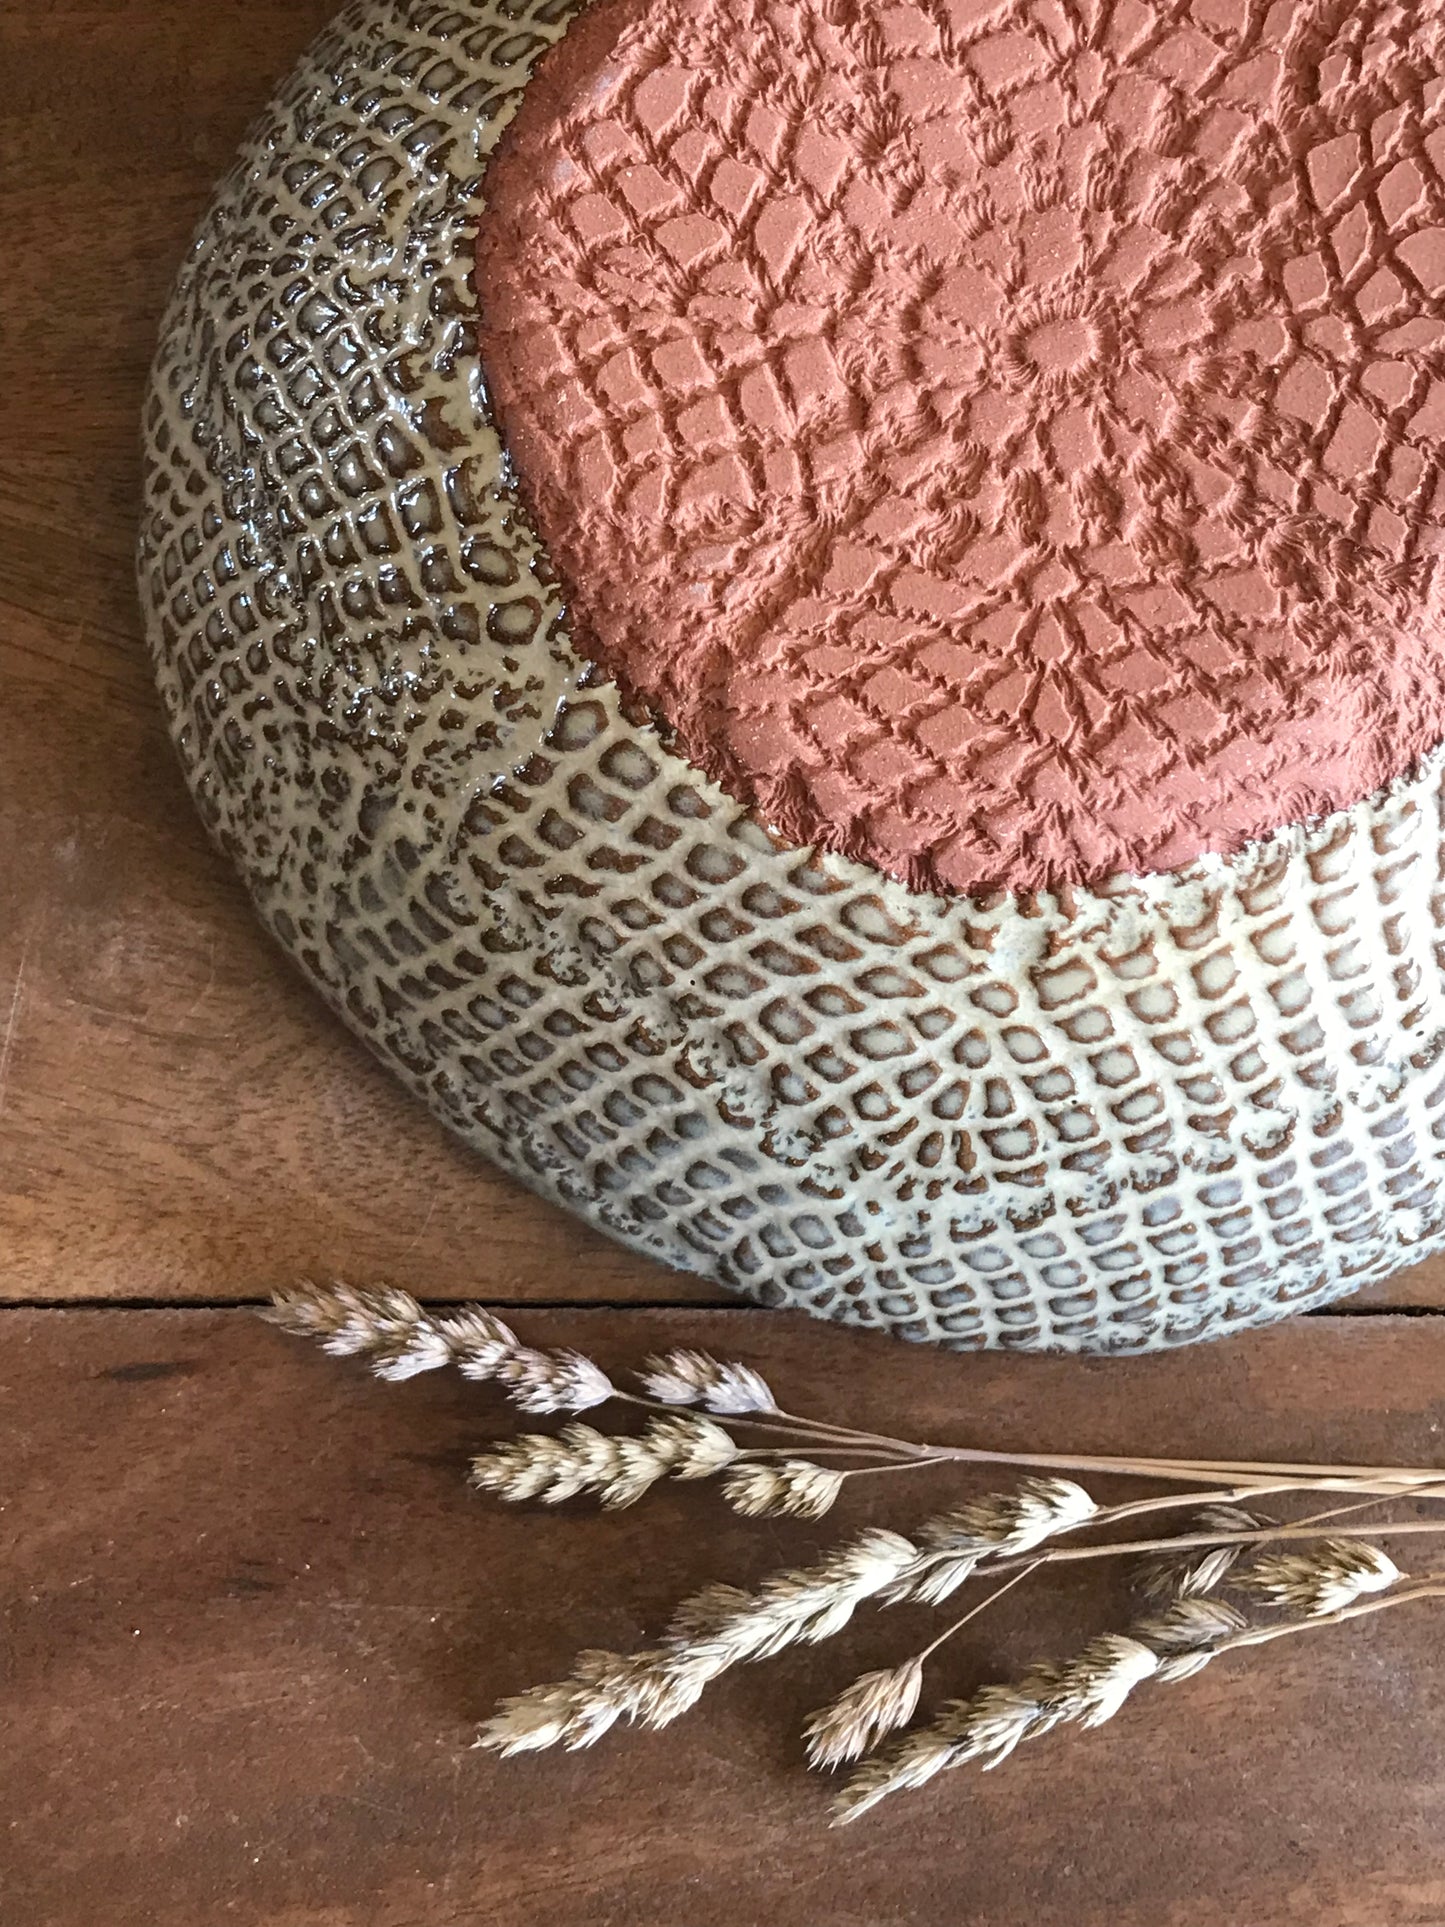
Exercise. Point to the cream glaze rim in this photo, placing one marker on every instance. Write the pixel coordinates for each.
(1129, 1117)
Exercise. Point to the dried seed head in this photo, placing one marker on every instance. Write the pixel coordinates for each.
(764, 1488)
(1088, 1689)
(924, 1754)
(618, 1469)
(987, 1727)
(1324, 1579)
(1197, 1571)
(1012, 1522)
(722, 1626)
(535, 1467)
(873, 1706)
(576, 1712)
(802, 1604)
(391, 1329)
(528, 1722)
(478, 1340)
(1001, 1526)
(420, 1349)
(581, 1459)
(1184, 1577)
(694, 1447)
(1188, 1623)
(1093, 1686)
(1187, 1635)
(562, 1381)
(719, 1627)
(350, 1321)
(696, 1378)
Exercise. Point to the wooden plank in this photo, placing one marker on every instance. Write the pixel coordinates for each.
(179, 1117)
(252, 1614)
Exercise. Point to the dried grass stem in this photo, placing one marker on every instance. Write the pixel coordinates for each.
(1324, 1569)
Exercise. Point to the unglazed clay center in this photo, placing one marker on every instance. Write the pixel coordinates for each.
(1099, 1119)
(1001, 439)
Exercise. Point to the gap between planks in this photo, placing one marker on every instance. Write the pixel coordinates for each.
(523, 1305)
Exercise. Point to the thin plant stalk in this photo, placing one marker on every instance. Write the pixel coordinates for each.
(1191, 1541)
(1430, 1585)
(989, 1599)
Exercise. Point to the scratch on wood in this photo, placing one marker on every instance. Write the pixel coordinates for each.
(7, 1044)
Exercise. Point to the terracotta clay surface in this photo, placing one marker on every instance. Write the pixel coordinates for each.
(999, 438)
(252, 1616)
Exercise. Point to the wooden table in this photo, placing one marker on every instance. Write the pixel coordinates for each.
(251, 1612)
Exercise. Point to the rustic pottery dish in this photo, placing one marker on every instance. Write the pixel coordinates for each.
(910, 784)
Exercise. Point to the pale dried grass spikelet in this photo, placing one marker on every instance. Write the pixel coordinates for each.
(577, 1459)
(576, 1712)
(1003, 1525)
(347, 1319)
(797, 1605)
(477, 1340)
(562, 1381)
(875, 1705)
(619, 1470)
(993, 1722)
(390, 1329)
(1323, 1579)
(1198, 1571)
(720, 1627)
(1088, 1689)
(696, 1448)
(722, 1386)
(1188, 1634)
(401, 1338)
(703, 1613)
(769, 1489)
(1094, 1685)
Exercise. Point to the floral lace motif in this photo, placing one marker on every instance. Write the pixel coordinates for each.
(999, 440)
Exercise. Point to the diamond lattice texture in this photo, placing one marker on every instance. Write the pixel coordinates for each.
(1000, 439)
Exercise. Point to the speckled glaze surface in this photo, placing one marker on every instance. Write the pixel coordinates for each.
(1094, 1120)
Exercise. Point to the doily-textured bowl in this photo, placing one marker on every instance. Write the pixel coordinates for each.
(1096, 1120)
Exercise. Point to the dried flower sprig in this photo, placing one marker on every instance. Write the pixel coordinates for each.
(1323, 1580)
(400, 1339)
(1087, 1690)
(1004, 1525)
(717, 1628)
(556, 1466)
(717, 1385)
(1323, 1569)
(795, 1486)
(1190, 1575)
(1092, 1687)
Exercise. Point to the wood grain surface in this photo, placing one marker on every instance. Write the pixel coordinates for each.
(179, 1116)
(253, 1614)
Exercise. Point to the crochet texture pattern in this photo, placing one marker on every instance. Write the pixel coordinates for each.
(1001, 441)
